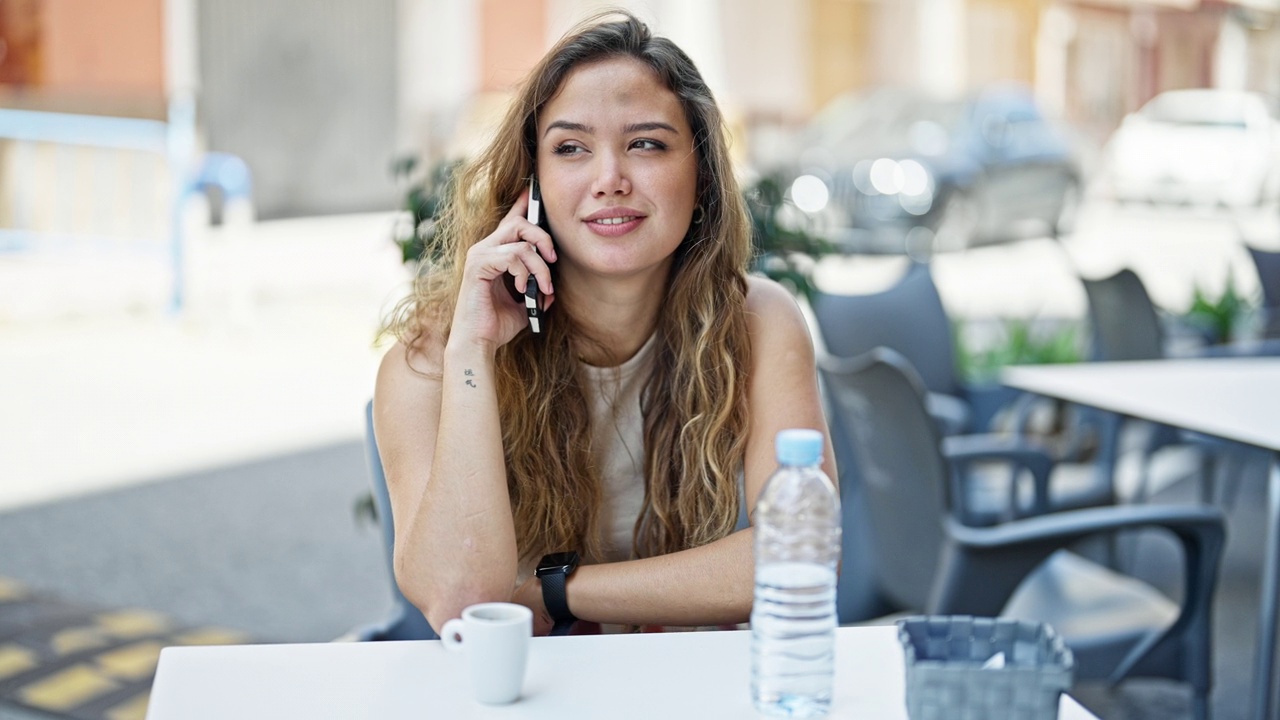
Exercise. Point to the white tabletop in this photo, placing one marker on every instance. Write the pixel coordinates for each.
(1232, 398)
(669, 676)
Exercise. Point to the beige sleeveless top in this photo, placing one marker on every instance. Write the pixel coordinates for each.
(617, 427)
(618, 445)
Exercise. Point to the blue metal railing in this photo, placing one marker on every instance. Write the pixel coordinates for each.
(85, 130)
(171, 143)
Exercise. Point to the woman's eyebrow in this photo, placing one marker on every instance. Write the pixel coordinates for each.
(649, 127)
(633, 127)
(571, 126)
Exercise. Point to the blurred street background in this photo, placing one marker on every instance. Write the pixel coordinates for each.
(208, 206)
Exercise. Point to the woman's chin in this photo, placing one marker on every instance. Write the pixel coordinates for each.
(620, 268)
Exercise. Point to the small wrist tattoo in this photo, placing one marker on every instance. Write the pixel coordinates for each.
(469, 374)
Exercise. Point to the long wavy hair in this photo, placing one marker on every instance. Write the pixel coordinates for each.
(694, 403)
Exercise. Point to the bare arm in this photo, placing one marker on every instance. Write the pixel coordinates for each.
(713, 584)
(439, 432)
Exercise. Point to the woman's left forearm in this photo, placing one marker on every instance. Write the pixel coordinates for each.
(708, 585)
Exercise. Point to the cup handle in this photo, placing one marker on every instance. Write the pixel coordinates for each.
(451, 634)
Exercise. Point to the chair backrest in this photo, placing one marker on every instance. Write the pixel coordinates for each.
(857, 597)
(879, 401)
(408, 622)
(1123, 318)
(908, 317)
(1268, 265)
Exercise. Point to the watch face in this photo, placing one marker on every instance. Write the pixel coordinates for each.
(563, 562)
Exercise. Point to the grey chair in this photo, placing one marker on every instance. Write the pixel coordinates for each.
(910, 318)
(930, 561)
(405, 622)
(1123, 320)
(1268, 266)
(1126, 326)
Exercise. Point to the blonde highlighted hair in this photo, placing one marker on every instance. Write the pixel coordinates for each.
(694, 404)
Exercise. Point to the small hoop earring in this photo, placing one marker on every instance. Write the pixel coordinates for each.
(699, 214)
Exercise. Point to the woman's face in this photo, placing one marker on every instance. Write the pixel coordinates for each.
(618, 170)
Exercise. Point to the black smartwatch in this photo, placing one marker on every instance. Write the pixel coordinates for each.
(553, 572)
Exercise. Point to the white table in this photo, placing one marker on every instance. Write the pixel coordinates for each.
(669, 676)
(1235, 399)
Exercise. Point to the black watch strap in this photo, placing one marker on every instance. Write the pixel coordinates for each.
(553, 572)
(553, 596)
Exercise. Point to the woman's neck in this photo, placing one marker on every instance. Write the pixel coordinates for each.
(618, 315)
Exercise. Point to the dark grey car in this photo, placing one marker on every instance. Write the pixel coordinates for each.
(894, 170)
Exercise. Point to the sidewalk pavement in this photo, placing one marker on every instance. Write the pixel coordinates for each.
(275, 354)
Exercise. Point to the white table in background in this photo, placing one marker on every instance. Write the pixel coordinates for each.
(667, 676)
(1235, 399)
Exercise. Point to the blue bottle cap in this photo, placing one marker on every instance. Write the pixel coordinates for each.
(799, 446)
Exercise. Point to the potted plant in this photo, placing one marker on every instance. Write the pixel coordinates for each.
(424, 200)
(785, 250)
(1015, 341)
(1221, 319)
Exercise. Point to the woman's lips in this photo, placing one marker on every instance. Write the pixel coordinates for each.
(613, 227)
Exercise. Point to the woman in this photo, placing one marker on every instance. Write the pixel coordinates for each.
(633, 426)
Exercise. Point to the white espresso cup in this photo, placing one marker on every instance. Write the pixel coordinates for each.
(494, 637)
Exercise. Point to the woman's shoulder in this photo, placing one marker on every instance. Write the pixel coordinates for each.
(774, 319)
(415, 359)
(769, 303)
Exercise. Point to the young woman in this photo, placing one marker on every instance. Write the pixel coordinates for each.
(633, 428)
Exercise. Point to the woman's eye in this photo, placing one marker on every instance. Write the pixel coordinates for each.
(566, 149)
(648, 145)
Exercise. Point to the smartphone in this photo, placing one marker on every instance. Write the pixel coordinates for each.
(532, 300)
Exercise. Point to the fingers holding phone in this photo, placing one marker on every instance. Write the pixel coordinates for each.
(524, 219)
(497, 275)
(533, 231)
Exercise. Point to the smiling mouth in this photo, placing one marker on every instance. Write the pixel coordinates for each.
(615, 220)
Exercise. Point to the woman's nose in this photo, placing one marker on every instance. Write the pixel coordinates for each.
(611, 177)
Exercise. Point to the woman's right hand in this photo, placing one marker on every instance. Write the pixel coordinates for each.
(485, 311)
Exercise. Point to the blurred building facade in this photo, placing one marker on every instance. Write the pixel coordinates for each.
(1091, 61)
(305, 92)
(319, 96)
(1100, 59)
(100, 57)
(773, 63)
(104, 59)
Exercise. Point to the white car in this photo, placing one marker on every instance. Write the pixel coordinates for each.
(1204, 147)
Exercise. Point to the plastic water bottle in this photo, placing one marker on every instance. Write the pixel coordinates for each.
(793, 618)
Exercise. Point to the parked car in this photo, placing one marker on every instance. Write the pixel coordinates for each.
(1207, 147)
(897, 170)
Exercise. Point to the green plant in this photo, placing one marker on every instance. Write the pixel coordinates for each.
(1018, 341)
(424, 200)
(784, 252)
(1219, 318)
(365, 510)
